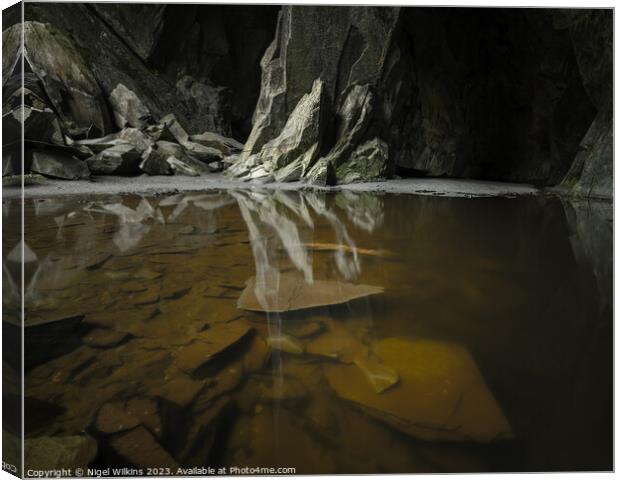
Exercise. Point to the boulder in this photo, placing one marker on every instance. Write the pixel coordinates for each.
(58, 165)
(129, 111)
(140, 140)
(154, 163)
(441, 395)
(67, 80)
(227, 146)
(120, 159)
(369, 162)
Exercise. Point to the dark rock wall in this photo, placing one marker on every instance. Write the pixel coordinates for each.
(494, 87)
(501, 94)
(200, 62)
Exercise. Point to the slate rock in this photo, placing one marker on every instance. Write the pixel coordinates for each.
(129, 110)
(369, 162)
(294, 293)
(441, 394)
(58, 165)
(122, 158)
(227, 146)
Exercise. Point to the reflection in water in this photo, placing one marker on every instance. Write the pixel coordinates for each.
(336, 333)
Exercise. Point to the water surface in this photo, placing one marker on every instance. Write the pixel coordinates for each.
(485, 346)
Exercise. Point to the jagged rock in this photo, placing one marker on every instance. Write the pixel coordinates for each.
(353, 119)
(591, 174)
(67, 80)
(122, 158)
(154, 163)
(53, 453)
(137, 138)
(202, 153)
(294, 293)
(171, 123)
(97, 145)
(129, 111)
(215, 167)
(302, 132)
(58, 165)
(139, 448)
(227, 146)
(160, 132)
(369, 162)
(456, 404)
(322, 173)
(187, 165)
(359, 39)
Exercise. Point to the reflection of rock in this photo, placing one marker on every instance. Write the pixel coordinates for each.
(591, 223)
(441, 395)
(51, 453)
(294, 293)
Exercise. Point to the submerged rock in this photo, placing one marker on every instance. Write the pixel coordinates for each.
(52, 453)
(208, 344)
(141, 449)
(104, 338)
(294, 293)
(58, 165)
(441, 395)
(129, 111)
(285, 343)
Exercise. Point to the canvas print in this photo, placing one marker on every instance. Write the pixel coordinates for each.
(306, 239)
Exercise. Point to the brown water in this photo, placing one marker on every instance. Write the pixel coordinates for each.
(489, 347)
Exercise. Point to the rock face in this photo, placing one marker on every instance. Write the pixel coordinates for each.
(67, 80)
(591, 173)
(500, 94)
(418, 80)
(172, 55)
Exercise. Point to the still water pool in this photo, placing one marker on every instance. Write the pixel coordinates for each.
(328, 332)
